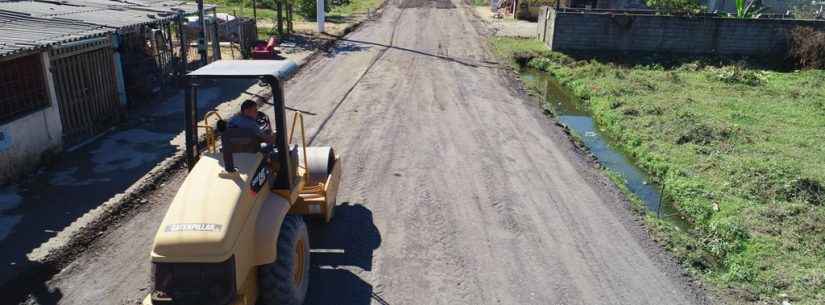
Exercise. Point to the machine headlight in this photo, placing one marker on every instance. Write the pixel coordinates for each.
(193, 283)
(161, 279)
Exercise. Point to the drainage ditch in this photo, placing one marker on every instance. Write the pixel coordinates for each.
(569, 111)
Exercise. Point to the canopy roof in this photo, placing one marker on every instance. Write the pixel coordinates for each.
(280, 69)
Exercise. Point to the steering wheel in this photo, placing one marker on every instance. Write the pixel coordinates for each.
(263, 120)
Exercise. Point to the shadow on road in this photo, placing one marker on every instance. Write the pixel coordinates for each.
(347, 243)
(41, 294)
(343, 47)
(32, 284)
(340, 249)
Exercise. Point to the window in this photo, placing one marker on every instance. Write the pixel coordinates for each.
(22, 87)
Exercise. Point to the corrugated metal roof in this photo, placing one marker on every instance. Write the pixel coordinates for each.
(118, 17)
(149, 5)
(186, 7)
(20, 32)
(27, 24)
(97, 3)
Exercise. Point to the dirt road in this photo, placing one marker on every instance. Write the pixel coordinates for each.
(457, 190)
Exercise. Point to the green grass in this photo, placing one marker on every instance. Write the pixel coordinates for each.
(353, 7)
(514, 49)
(743, 155)
(337, 12)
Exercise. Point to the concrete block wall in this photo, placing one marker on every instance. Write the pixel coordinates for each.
(621, 32)
(24, 140)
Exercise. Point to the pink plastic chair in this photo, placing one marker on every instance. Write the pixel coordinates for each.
(265, 49)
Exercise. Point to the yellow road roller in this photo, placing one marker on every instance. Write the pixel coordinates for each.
(235, 231)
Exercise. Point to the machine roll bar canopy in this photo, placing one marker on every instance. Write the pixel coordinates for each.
(279, 69)
(271, 72)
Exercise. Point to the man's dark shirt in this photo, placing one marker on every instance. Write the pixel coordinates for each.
(260, 125)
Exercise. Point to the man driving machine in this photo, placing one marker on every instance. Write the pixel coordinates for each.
(250, 118)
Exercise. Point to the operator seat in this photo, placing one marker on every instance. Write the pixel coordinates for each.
(245, 140)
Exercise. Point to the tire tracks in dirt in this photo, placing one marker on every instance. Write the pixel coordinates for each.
(474, 195)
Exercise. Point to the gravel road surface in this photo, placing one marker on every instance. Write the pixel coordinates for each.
(457, 190)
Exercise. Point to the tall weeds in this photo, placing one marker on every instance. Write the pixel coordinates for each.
(807, 47)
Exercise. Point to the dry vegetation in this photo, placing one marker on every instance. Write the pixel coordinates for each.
(808, 47)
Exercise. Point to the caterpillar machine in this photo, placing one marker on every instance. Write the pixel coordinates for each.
(235, 232)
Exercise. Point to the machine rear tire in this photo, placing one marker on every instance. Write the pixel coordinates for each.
(286, 280)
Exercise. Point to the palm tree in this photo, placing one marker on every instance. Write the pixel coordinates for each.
(748, 8)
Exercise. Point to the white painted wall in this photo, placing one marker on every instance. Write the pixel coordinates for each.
(23, 141)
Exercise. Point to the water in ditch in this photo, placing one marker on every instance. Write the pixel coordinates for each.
(570, 112)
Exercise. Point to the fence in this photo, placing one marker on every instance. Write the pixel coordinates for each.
(247, 36)
(84, 79)
(190, 39)
(632, 31)
(149, 59)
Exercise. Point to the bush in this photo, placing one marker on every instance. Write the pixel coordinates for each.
(721, 238)
(807, 47)
(805, 10)
(675, 6)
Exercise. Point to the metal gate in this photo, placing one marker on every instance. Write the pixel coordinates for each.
(148, 61)
(85, 83)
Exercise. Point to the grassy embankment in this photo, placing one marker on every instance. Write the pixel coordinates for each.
(742, 152)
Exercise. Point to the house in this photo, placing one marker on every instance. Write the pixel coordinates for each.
(34, 54)
(68, 69)
(148, 48)
(146, 38)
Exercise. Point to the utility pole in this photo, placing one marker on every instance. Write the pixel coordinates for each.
(184, 47)
(319, 13)
(202, 34)
(254, 11)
